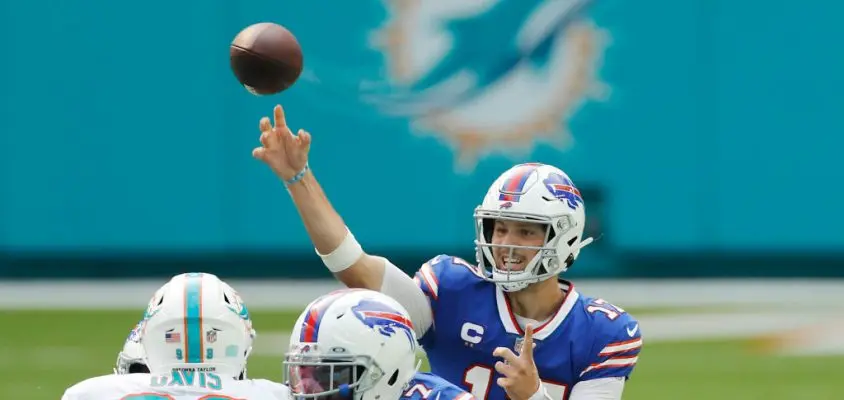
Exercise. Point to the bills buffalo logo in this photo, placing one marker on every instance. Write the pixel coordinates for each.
(384, 319)
(562, 188)
(135, 333)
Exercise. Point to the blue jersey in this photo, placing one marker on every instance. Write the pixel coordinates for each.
(587, 338)
(425, 386)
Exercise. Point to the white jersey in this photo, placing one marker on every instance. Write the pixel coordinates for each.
(180, 385)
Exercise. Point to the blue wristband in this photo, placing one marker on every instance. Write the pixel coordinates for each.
(298, 177)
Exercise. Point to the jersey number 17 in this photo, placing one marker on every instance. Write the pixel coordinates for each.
(478, 378)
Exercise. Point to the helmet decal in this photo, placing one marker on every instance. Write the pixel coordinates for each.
(514, 186)
(563, 189)
(384, 319)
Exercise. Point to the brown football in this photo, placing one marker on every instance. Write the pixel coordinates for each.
(266, 58)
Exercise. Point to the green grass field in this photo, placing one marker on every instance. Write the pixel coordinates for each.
(44, 352)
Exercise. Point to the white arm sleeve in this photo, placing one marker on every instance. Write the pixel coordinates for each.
(403, 289)
(598, 389)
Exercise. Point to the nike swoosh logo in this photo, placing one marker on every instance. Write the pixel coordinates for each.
(633, 331)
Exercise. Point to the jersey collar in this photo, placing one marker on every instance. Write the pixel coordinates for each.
(508, 319)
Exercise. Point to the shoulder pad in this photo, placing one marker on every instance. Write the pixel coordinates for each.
(617, 341)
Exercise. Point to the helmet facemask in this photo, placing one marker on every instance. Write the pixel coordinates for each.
(545, 264)
(310, 375)
(129, 365)
(130, 359)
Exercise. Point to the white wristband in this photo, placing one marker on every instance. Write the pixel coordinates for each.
(540, 394)
(346, 254)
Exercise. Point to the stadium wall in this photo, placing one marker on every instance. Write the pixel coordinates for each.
(308, 266)
(697, 151)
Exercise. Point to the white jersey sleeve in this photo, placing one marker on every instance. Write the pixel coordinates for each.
(178, 386)
(278, 390)
(598, 389)
(404, 290)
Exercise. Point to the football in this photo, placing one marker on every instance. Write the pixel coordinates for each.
(266, 58)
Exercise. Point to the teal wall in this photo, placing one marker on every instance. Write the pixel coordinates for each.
(123, 128)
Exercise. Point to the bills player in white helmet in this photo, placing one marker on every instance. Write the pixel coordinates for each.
(195, 338)
(357, 344)
(547, 221)
(474, 320)
(131, 358)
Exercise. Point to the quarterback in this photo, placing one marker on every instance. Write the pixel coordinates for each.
(507, 327)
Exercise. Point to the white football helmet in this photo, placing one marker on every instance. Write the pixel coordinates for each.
(536, 193)
(197, 320)
(131, 357)
(351, 344)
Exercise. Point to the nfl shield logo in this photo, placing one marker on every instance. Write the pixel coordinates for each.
(211, 336)
(517, 347)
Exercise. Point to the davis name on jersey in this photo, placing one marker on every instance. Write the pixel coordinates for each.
(425, 386)
(179, 385)
(587, 338)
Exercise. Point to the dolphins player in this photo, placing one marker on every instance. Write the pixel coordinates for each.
(195, 338)
(473, 320)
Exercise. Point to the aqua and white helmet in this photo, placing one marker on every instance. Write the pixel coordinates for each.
(197, 320)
